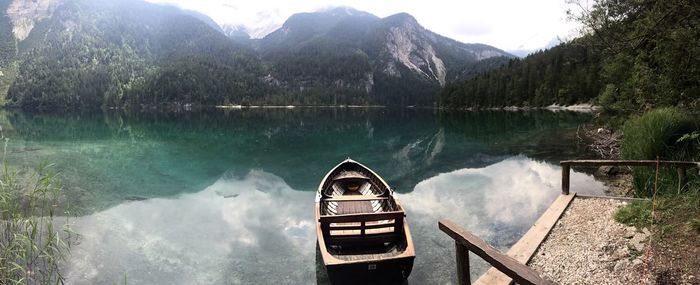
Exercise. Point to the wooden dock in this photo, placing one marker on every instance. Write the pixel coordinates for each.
(510, 266)
(525, 248)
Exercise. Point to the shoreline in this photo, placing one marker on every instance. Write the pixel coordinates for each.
(583, 108)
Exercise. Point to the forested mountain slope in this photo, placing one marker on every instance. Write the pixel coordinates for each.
(634, 56)
(88, 54)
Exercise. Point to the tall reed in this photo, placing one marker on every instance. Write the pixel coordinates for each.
(32, 246)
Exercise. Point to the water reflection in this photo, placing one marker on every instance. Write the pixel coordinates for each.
(256, 229)
(108, 158)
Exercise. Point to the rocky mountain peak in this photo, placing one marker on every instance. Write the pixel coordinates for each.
(409, 44)
(402, 19)
(236, 32)
(25, 14)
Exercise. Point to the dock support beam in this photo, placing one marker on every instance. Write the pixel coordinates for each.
(565, 174)
(463, 273)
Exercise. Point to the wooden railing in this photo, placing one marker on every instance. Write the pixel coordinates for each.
(681, 166)
(466, 242)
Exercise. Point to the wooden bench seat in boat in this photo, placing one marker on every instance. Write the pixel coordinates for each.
(364, 228)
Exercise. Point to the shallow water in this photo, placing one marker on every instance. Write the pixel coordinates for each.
(227, 197)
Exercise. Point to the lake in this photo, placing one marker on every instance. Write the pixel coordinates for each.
(227, 197)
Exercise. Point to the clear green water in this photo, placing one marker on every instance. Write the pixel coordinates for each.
(227, 197)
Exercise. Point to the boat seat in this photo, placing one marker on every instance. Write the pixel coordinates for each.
(362, 228)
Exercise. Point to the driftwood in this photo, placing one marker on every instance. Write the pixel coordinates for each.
(604, 142)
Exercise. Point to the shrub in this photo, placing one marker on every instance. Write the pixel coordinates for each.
(655, 134)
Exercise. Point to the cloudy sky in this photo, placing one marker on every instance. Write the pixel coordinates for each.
(506, 24)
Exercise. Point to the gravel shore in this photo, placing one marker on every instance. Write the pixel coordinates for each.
(587, 246)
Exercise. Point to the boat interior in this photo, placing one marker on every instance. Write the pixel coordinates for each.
(360, 218)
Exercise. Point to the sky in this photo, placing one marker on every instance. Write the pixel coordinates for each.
(506, 24)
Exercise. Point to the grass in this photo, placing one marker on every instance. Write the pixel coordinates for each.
(694, 226)
(637, 213)
(672, 134)
(661, 133)
(656, 134)
(31, 246)
(671, 211)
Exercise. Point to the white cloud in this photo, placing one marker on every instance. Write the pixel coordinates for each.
(506, 24)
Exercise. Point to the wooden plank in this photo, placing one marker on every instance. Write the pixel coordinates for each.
(629, 163)
(506, 264)
(334, 227)
(346, 198)
(366, 239)
(354, 207)
(462, 256)
(362, 217)
(525, 248)
(627, 199)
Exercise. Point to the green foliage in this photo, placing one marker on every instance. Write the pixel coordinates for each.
(636, 213)
(655, 134)
(650, 50)
(635, 55)
(565, 74)
(32, 247)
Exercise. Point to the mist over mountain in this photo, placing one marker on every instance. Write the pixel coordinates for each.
(81, 54)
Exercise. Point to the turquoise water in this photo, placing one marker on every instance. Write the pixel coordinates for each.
(227, 197)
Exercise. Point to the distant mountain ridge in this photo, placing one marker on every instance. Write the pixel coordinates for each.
(394, 57)
(82, 54)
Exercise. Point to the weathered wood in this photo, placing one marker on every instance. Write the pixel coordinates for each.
(363, 225)
(680, 165)
(629, 163)
(361, 217)
(342, 199)
(463, 272)
(523, 250)
(682, 179)
(354, 207)
(627, 199)
(506, 264)
(565, 179)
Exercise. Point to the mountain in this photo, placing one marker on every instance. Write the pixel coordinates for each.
(87, 54)
(394, 59)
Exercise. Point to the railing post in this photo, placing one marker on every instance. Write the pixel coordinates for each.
(682, 178)
(565, 172)
(463, 274)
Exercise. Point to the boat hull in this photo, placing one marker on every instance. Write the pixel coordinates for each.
(387, 271)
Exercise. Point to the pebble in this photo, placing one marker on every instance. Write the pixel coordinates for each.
(602, 247)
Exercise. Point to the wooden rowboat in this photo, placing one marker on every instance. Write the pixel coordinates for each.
(362, 232)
